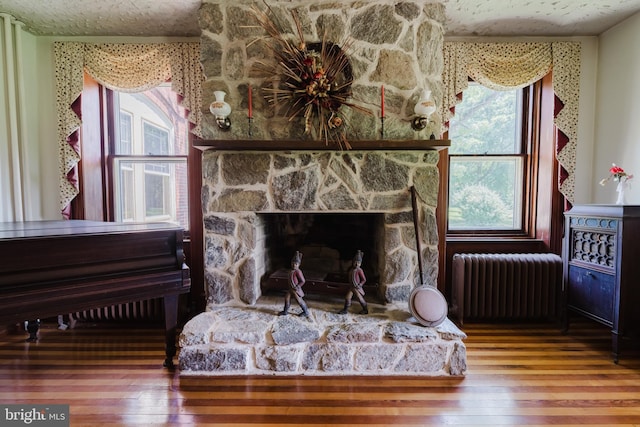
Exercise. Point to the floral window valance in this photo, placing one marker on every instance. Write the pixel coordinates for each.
(122, 67)
(502, 66)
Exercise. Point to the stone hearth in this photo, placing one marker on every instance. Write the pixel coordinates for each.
(241, 340)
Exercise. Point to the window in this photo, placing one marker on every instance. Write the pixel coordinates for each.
(489, 161)
(150, 158)
(121, 180)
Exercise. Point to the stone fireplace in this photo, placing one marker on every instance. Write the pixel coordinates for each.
(240, 187)
(396, 44)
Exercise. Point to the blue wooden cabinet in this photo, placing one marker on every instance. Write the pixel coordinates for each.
(601, 273)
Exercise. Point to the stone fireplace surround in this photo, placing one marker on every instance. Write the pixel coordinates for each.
(241, 333)
(398, 45)
(238, 186)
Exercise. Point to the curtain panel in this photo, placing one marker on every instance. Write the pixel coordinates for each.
(15, 191)
(506, 66)
(121, 67)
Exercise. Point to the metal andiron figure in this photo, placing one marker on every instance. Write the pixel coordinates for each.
(357, 278)
(296, 281)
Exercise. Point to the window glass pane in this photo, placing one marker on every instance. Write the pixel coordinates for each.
(156, 198)
(156, 143)
(124, 144)
(156, 140)
(485, 193)
(127, 193)
(486, 122)
(145, 195)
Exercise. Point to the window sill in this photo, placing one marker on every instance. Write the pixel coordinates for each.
(492, 238)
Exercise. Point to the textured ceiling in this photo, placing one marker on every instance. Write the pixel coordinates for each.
(106, 17)
(179, 17)
(535, 18)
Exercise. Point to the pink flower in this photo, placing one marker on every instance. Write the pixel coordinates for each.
(615, 170)
(616, 173)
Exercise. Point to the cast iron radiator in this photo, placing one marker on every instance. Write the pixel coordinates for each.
(506, 286)
(146, 310)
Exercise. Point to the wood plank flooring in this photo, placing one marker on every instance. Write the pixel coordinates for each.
(518, 375)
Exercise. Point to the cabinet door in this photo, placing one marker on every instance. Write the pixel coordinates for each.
(592, 292)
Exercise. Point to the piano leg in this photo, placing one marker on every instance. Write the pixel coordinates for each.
(32, 327)
(170, 324)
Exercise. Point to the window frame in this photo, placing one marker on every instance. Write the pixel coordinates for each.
(112, 179)
(529, 148)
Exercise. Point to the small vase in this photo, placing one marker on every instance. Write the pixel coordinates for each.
(621, 190)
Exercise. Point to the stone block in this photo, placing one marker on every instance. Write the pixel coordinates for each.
(377, 24)
(219, 286)
(458, 359)
(239, 331)
(377, 357)
(288, 330)
(449, 331)
(205, 358)
(327, 358)
(248, 281)
(196, 331)
(219, 225)
(425, 357)
(278, 358)
(245, 169)
(402, 332)
(295, 190)
(354, 333)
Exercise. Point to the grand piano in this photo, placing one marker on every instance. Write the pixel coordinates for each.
(49, 268)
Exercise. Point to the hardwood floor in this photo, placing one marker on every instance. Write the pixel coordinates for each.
(517, 375)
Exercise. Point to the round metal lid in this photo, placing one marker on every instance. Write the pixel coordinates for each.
(428, 305)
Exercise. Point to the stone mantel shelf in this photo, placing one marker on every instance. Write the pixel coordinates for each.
(308, 145)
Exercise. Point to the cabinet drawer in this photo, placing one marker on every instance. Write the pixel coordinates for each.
(592, 292)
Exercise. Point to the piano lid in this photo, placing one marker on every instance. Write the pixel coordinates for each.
(28, 229)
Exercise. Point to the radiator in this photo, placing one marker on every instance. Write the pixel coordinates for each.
(506, 286)
(146, 310)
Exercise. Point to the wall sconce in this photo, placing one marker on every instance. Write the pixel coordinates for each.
(423, 109)
(221, 110)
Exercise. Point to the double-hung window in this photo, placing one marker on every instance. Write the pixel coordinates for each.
(149, 159)
(489, 162)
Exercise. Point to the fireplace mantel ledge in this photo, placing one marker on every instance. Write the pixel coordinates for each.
(308, 145)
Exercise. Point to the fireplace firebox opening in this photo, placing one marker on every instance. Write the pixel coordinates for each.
(328, 242)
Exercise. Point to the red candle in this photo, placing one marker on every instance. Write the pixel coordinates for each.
(382, 102)
(250, 104)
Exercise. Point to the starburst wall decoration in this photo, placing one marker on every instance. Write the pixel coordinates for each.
(314, 80)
